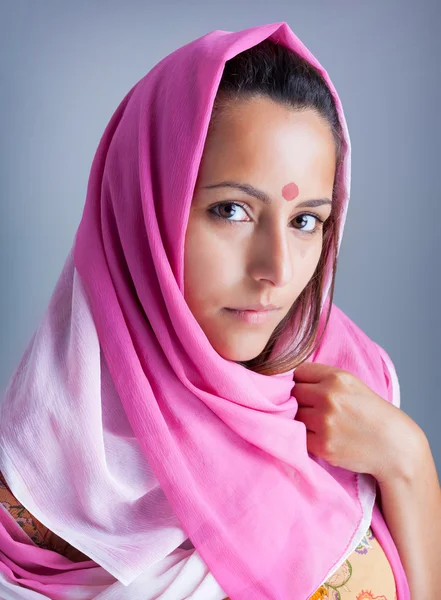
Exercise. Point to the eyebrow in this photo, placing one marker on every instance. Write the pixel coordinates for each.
(260, 195)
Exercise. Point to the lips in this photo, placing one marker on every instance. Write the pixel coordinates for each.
(253, 317)
(256, 308)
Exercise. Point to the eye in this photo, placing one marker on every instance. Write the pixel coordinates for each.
(228, 212)
(232, 207)
(317, 224)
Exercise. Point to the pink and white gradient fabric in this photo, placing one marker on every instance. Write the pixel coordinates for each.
(126, 435)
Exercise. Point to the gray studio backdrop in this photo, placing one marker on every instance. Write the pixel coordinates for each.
(65, 66)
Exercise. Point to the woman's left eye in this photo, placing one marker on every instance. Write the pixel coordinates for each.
(318, 222)
(213, 212)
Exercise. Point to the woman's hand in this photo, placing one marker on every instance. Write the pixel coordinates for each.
(352, 427)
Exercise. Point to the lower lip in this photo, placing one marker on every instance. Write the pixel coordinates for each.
(254, 317)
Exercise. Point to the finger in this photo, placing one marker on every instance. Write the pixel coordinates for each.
(312, 443)
(310, 372)
(308, 416)
(304, 394)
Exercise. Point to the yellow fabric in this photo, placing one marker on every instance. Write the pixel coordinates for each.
(365, 575)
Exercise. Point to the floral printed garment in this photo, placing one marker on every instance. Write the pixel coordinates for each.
(39, 534)
(365, 575)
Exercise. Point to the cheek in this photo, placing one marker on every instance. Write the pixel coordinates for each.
(208, 271)
(308, 252)
(308, 257)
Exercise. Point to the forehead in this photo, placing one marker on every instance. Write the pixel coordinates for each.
(269, 142)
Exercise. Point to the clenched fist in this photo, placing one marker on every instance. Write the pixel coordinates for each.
(349, 425)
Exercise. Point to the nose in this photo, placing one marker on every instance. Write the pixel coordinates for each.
(271, 255)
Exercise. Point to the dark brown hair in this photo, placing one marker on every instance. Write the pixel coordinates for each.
(274, 71)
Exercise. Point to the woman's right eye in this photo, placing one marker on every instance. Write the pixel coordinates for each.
(213, 211)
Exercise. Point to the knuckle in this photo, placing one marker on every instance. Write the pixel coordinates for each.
(328, 451)
(328, 422)
(341, 378)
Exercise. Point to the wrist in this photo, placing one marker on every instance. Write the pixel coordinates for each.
(405, 453)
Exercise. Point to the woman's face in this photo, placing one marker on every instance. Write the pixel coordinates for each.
(241, 250)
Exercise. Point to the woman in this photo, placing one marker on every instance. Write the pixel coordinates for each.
(163, 439)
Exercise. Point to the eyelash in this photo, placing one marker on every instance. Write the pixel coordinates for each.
(216, 216)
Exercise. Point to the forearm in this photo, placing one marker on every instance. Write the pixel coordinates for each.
(411, 505)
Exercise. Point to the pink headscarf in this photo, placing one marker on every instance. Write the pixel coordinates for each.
(125, 434)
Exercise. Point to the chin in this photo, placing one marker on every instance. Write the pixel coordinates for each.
(238, 352)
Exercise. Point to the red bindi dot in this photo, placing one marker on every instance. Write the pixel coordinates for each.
(290, 191)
